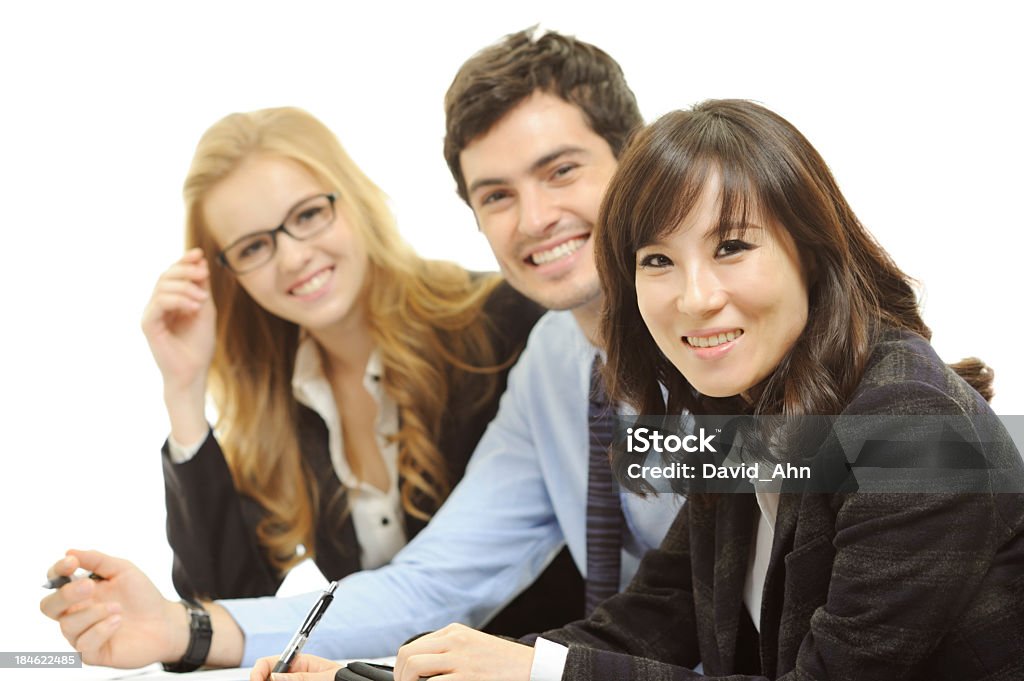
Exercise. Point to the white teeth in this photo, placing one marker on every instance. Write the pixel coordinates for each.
(313, 284)
(712, 341)
(559, 251)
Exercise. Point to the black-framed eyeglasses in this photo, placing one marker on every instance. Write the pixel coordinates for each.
(304, 221)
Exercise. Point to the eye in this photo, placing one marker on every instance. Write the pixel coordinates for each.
(654, 261)
(493, 197)
(564, 171)
(732, 247)
(308, 214)
(251, 249)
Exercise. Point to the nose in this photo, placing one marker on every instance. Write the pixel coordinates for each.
(538, 211)
(292, 254)
(701, 293)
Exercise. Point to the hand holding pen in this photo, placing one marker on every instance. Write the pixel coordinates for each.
(119, 621)
(58, 582)
(305, 629)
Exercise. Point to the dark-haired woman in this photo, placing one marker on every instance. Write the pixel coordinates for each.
(740, 282)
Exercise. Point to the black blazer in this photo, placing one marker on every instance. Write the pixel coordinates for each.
(859, 586)
(212, 528)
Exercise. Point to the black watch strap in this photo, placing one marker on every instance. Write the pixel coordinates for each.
(199, 635)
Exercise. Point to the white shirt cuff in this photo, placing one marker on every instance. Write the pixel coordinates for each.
(548, 660)
(180, 453)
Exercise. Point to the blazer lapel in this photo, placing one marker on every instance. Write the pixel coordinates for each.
(734, 528)
(337, 545)
(774, 583)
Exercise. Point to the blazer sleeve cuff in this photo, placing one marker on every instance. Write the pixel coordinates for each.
(179, 453)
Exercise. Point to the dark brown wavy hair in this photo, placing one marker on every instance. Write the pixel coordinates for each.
(766, 166)
(498, 78)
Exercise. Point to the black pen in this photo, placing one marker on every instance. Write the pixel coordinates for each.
(58, 582)
(305, 629)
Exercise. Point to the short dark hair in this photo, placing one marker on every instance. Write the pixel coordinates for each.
(499, 77)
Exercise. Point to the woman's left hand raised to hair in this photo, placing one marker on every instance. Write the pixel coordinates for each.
(458, 652)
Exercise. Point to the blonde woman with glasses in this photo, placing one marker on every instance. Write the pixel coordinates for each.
(351, 378)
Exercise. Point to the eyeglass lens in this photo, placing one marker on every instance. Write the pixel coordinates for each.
(305, 221)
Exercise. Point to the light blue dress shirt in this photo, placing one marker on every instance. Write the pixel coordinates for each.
(523, 496)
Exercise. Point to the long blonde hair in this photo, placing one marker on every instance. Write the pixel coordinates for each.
(421, 315)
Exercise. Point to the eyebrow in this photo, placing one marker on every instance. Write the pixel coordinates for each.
(288, 214)
(710, 235)
(544, 160)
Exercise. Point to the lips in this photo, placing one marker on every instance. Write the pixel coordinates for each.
(714, 339)
(311, 284)
(557, 252)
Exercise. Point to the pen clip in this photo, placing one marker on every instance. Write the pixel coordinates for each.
(318, 609)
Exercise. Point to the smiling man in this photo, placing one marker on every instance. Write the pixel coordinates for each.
(534, 182)
(534, 127)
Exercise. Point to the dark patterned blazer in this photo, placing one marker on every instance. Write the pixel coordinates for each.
(859, 585)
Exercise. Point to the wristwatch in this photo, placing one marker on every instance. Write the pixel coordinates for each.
(199, 634)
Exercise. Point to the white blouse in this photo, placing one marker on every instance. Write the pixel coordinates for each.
(377, 515)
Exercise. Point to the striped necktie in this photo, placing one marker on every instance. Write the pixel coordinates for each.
(604, 511)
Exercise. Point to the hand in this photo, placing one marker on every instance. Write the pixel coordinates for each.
(180, 322)
(464, 654)
(304, 668)
(180, 325)
(119, 621)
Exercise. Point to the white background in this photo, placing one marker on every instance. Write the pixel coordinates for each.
(914, 106)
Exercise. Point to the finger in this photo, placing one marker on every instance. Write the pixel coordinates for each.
(92, 640)
(182, 290)
(197, 270)
(65, 599)
(433, 643)
(311, 663)
(304, 664)
(181, 287)
(75, 624)
(161, 305)
(100, 563)
(300, 676)
(317, 675)
(186, 271)
(166, 303)
(65, 567)
(310, 674)
(192, 255)
(261, 670)
(425, 665)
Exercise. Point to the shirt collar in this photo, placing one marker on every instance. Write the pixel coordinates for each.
(309, 381)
